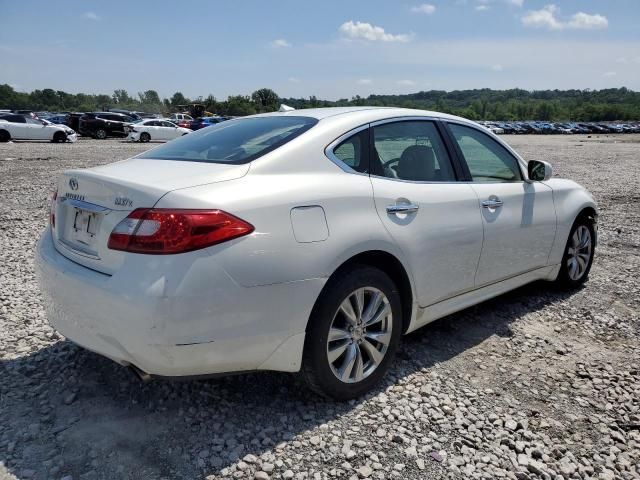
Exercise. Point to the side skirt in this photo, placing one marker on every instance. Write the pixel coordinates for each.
(425, 315)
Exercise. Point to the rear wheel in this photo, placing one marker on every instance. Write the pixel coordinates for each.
(353, 334)
(4, 136)
(60, 137)
(145, 137)
(101, 134)
(578, 254)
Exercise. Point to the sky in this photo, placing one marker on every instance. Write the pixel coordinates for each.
(330, 49)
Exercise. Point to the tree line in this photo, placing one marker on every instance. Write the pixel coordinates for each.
(479, 104)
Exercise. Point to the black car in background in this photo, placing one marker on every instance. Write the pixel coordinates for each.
(104, 124)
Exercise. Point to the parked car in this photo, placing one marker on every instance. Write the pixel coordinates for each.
(199, 123)
(177, 117)
(182, 123)
(57, 119)
(306, 241)
(21, 127)
(104, 124)
(147, 130)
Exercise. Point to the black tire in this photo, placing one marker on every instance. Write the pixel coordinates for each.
(145, 137)
(59, 137)
(566, 279)
(100, 134)
(316, 368)
(4, 136)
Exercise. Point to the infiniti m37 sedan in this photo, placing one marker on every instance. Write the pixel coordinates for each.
(302, 241)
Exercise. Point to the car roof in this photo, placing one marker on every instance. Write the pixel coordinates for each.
(374, 113)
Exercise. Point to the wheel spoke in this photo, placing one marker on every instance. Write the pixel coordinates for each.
(575, 239)
(336, 334)
(358, 373)
(372, 306)
(336, 352)
(572, 268)
(582, 264)
(347, 310)
(379, 315)
(358, 297)
(374, 354)
(347, 364)
(381, 337)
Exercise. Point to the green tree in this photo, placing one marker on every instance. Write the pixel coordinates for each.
(266, 99)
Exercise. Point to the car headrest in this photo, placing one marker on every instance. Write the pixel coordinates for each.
(417, 163)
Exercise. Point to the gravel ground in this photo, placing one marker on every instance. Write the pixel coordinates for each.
(534, 384)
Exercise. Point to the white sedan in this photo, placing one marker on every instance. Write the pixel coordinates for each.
(154, 129)
(19, 127)
(305, 241)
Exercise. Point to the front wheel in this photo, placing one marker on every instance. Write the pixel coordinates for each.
(59, 137)
(353, 333)
(4, 136)
(145, 137)
(578, 254)
(101, 134)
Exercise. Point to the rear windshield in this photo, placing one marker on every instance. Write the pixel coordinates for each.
(234, 141)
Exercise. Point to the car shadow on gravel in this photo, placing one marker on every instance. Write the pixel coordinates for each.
(67, 411)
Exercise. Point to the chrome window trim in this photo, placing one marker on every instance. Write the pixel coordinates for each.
(328, 151)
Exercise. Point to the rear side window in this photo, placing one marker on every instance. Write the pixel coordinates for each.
(488, 161)
(235, 141)
(411, 150)
(353, 151)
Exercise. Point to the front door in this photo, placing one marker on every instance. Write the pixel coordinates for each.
(431, 216)
(518, 217)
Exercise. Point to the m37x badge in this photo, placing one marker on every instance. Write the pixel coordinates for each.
(73, 183)
(123, 202)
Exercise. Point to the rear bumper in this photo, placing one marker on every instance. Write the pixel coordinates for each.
(177, 322)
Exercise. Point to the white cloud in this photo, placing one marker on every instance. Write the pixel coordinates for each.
(424, 8)
(589, 22)
(482, 8)
(294, 79)
(609, 74)
(547, 18)
(406, 83)
(91, 16)
(484, 5)
(517, 3)
(497, 67)
(366, 31)
(365, 81)
(280, 43)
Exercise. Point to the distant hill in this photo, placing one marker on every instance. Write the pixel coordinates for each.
(481, 104)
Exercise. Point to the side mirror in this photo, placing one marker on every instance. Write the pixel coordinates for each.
(539, 171)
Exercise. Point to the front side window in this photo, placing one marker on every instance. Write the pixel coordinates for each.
(488, 161)
(236, 141)
(353, 151)
(411, 150)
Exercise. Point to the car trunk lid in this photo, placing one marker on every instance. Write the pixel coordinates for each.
(90, 203)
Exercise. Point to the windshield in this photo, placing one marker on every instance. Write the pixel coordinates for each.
(234, 141)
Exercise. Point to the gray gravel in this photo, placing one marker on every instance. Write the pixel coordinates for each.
(534, 384)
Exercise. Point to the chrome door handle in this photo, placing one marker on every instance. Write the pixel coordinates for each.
(494, 203)
(402, 208)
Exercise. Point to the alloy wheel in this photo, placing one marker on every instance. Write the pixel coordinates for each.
(579, 253)
(359, 335)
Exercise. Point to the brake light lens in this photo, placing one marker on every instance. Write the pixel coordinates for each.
(162, 231)
(52, 209)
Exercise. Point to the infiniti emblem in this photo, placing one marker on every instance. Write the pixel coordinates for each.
(73, 183)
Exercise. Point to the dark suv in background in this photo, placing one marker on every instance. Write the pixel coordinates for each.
(104, 124)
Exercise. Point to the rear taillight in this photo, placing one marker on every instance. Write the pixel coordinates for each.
(52, 209)
(165, 231)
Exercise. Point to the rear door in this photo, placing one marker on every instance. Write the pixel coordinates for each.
(518, 217)
(432, 216)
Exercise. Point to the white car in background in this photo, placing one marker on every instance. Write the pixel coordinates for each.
(155, 129)
(20, 127)
(307, 241)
